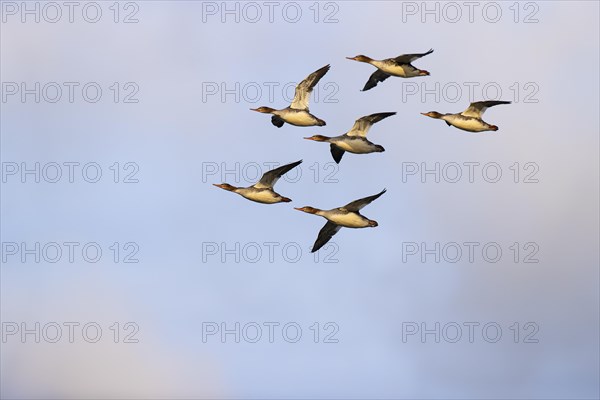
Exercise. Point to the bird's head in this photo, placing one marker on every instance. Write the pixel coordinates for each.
(307, 209)
(318, 138)
(360, 58)
(225, 186)
(264, 110)
(432, 114)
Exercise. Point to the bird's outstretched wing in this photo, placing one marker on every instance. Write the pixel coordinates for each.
(362, 125)
(374, 79)
(408, 58)
(304, 88)
(477, 109)
(357, 205)
(271, 177)
(336, 153)
(325, 234)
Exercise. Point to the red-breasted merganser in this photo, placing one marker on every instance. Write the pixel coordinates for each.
(347, 216)
(262, 191)
(355, 140)
(297, 113)
(400, 66)
(470, 119)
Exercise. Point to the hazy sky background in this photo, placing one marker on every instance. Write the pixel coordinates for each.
(177, 130)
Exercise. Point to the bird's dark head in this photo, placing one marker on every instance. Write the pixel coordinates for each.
(360, 58)
(318, 138)
(432, 114)
(307, 209)
(264, 110)
(225, 186)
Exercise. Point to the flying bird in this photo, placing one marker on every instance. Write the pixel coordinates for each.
(298, 113)
(400, 66)
(470, 119)
(348, 216)
(262, 191)
(355, 140)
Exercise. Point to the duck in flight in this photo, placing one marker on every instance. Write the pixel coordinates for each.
(399, 66)
(470, 119)
(262, 191)
(355, 140)
(298, 113)
(348, 216)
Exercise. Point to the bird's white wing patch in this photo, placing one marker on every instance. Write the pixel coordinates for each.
(474, 111)
(360, 128)
(305, 87)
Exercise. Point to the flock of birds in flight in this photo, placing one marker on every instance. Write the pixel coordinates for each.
(354, 141)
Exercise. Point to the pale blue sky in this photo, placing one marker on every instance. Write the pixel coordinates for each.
(370, 292)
